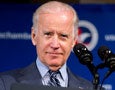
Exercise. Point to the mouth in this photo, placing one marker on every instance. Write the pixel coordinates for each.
(54, 53)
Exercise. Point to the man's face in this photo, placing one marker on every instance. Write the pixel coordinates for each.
(54, 38)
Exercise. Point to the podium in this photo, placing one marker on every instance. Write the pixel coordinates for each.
(18, 86)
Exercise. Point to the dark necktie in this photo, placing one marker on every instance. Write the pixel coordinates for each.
(53, 79)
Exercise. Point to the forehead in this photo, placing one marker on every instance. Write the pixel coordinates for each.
(55, 18)
(55, 21)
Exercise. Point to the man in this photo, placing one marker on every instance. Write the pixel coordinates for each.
(54, 35)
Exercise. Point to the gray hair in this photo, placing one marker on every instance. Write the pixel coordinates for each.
(53, 7)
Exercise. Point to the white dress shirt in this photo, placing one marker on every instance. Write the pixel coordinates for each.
(63, 79)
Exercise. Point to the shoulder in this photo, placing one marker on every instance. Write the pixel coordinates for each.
(7, 78)
(11, 75)
(19, 71)
(6, 81)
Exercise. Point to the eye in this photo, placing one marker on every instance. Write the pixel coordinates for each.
(64, 35)
(48, 33)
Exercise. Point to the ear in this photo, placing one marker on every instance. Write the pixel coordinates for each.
(75, 41)
(33, 36)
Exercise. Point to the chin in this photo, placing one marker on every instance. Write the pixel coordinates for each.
(55, 65)
(54, 68)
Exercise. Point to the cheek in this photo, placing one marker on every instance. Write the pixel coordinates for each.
(67, 49)
(41, 52)
(68, 46)
(42, 47)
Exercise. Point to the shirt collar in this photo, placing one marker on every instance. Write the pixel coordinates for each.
(41, 67)
(44, 69)
(63, 71)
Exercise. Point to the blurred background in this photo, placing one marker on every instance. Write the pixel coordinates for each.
(67, 1)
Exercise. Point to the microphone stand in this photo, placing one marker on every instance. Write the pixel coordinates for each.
(95, 81)
(93, 70)
(101, 66)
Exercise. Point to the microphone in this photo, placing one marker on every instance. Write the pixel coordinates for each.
(108, 57)
(104, 53)
(85, 57)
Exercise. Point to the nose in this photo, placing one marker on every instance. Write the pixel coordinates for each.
(55, 43)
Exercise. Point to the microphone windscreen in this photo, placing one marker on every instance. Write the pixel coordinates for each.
(104, 52)
(78, 48)
(83, 54)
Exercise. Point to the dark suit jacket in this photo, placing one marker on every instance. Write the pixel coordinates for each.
(31, 75)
